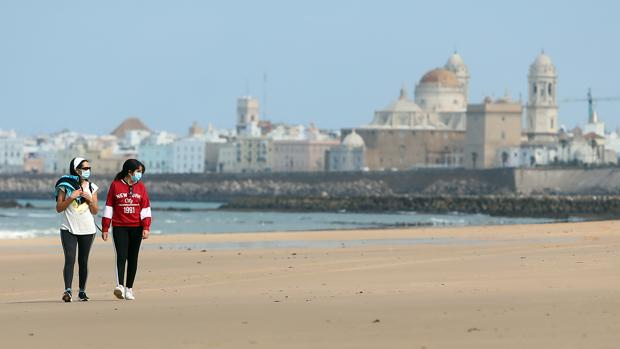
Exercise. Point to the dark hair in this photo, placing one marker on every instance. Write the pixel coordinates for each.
(129, 165)
(72, 170)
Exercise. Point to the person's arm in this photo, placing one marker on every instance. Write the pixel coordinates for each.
(62, 202)
(145, 215)
(91, 200)
(93, 205)
(106, 220)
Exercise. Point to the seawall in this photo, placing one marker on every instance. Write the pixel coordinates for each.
(592, 206)
(205, 187)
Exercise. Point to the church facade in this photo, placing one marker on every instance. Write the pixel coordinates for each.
(427, 130)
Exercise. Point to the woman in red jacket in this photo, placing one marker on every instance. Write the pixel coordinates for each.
(129, 211)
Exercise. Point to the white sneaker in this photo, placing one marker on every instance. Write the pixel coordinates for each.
(119, 292)
(129, 294)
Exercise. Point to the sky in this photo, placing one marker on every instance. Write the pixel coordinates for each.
(87, 65)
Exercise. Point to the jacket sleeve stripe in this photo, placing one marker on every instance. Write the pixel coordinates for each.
(145, 212)
(107, 212)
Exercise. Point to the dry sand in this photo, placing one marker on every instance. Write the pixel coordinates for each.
(528, 286)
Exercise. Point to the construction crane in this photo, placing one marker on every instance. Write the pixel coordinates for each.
(592, 118)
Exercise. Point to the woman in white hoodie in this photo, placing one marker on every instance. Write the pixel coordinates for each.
(76, 201)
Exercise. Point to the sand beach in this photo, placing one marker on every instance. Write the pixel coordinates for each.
(519, 286)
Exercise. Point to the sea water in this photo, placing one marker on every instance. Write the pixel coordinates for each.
(204, 218)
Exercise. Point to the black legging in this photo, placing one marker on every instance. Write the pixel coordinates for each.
(71, 242)
(127, 245)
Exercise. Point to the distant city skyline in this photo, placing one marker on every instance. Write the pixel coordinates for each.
(88, 66)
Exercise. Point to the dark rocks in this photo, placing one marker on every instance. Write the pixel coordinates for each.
(510, 206)
(9, 204)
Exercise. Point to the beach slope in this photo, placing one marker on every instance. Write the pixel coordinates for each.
(524, 286)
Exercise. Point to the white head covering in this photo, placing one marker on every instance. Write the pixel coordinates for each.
(76, 162)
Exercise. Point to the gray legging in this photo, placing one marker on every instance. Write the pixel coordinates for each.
(71, 243)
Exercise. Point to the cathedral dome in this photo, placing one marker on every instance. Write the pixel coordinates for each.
(455, 60)
(441, 77)
(403, 104)
(353, 140)
(542, 65)
(542, 59)
(455, 63)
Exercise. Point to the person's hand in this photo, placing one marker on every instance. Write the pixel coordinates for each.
(87, 197)
(76, 194)
(145, 234)
(104, 235)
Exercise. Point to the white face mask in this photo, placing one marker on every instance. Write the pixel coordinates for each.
(85, 174)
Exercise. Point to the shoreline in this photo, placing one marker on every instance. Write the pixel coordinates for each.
(345, 234)
(375, 227)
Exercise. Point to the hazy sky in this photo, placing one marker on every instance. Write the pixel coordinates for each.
(87, 65)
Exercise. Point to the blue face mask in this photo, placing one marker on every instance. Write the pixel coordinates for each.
(85, 174)
(136, 177)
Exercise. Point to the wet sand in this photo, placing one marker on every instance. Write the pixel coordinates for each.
(527, 286)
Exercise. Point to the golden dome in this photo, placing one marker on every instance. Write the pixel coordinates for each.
(440, 76)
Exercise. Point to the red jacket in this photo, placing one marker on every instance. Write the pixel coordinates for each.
(125, 210)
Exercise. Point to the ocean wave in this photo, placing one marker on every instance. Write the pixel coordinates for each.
(443, 222)
(41, 215)
(26, 234)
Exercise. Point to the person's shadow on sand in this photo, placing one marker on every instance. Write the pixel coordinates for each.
(50, 301)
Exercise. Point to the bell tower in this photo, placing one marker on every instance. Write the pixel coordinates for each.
(542, 107)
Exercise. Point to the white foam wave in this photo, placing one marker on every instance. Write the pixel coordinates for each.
(41, 215)
(26, 234)
(443, 221)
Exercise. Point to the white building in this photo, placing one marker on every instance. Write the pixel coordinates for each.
(156, 157)
(52, 148)
(348, 156)
(188, 156)
(185, 155)
(11, 152)
(531, 156)
(613, 142)
(573, 147)
(288, 132)
(246, 154)
(227, 159)
(300, 149)
(248, 111)
(589, 148)
(214, 140)
(133, 138)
